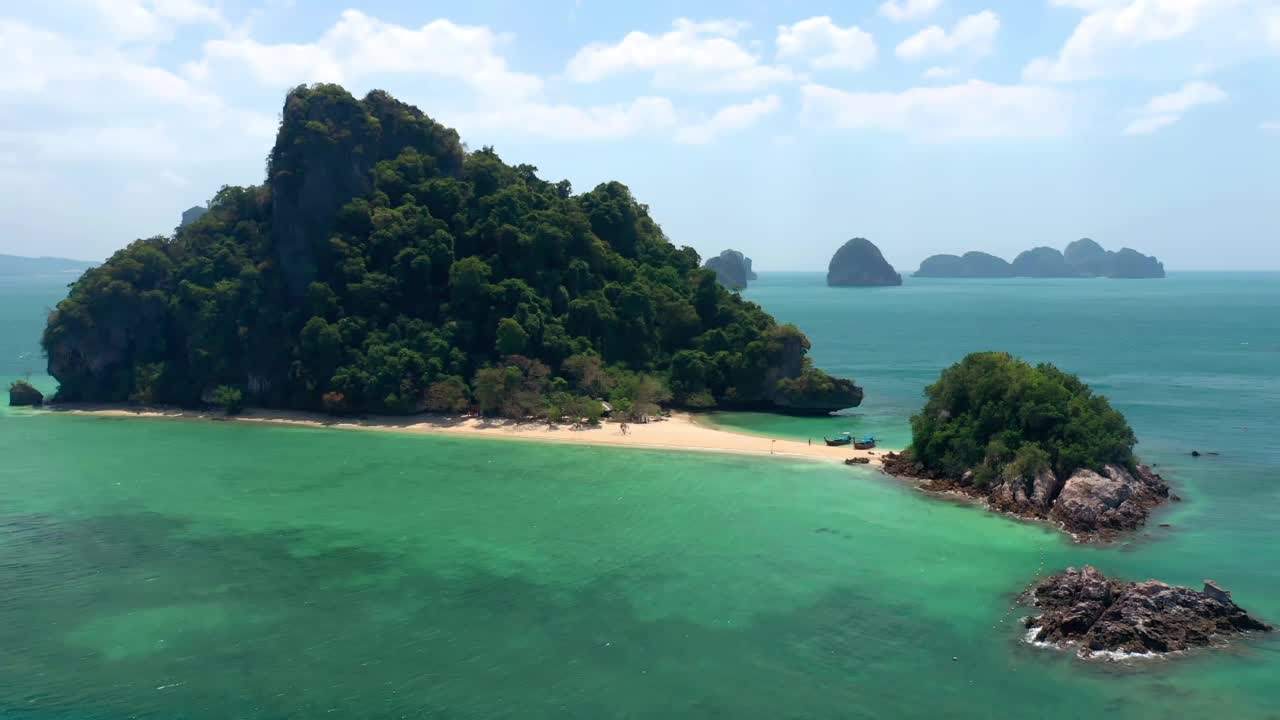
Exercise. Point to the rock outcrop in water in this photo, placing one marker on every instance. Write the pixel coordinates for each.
(1032, 441)
(1082, 258)
(22, 393)
(1113, 501)
(971, 265)
(1085, 610)
(1091, 506)
(860, 263)
(732, 269)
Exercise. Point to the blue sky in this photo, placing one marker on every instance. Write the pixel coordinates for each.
(778, 128)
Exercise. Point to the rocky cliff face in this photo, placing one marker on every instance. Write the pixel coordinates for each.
(324, 155)
(795, 388)
(860, 263)
(1089, 505)
(1085, 610)
(732, 269)
(971, 265)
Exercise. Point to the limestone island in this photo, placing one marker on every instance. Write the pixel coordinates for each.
(970, 265)
(24, 394)
(860, 263)
(383, 268)
(732, 269)
(1082, 258)
(1031, 441)
(1082, 609)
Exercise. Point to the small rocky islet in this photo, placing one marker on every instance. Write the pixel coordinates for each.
(732, 269)
(1090, 505)
(24, 394)
(859, 263)
(1031, 441)
(1101, 617)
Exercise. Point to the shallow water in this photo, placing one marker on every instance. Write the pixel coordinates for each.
(188, 569)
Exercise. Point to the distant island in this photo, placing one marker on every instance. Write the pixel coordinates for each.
(192, 214)
(1082, 258)
(384, 268)
(12, 265)
(971, 265)
(1032, 441)
(860, 263)
(732, 269)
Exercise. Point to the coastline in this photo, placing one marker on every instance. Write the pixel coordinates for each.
(680, 431)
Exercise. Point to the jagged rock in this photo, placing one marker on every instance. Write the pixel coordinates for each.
(1042, 262)
(1089, 505)
(23, 393)
(1027, 496)
(1093, 503)
(971, 265)
(1083, 608)
(732, 269)
(860, 263)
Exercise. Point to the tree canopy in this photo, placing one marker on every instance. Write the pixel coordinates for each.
(382, 267)
(992, 413)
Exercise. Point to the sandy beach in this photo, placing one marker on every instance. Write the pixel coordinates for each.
(680, 431)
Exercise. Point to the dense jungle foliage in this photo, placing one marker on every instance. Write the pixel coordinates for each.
(384, 268)
(995, 414)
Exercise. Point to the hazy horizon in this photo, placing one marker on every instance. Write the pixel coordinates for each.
(927, 126)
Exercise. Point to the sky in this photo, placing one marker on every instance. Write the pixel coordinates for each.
(781, 129)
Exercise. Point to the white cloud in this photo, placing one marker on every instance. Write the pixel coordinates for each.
(940, 72)
(826, 45)
(733, 117)
(1269, 126)
(973, 33)
(1164, 110)
(150, 21)
(693, 56)
(359, 46)
(1112, 24)
(1272, 21)
(41, 66)
(570, 123)
(906, 10)
(974, 110)
(1149, 124)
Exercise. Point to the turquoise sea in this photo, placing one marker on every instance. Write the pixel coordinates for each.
(194, 569)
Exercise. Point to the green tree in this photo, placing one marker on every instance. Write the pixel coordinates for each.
(230, 399)
(381, 263)
(512, 339)
(996, 415)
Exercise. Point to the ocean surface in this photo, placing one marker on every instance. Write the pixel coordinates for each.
(199, 569)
